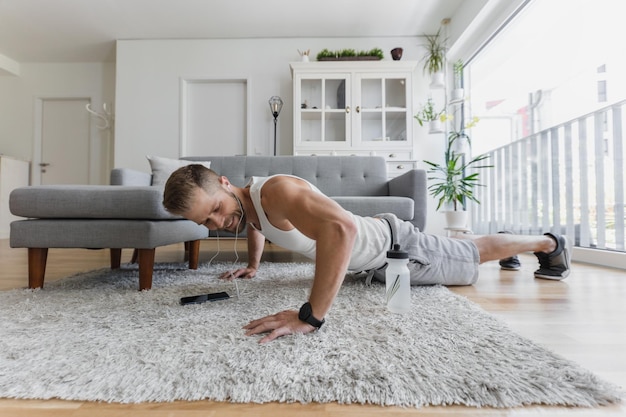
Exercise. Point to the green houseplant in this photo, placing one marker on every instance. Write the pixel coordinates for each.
(435, 58)
(453, 181)
(349, 55)
(458, 92)
(434, 118)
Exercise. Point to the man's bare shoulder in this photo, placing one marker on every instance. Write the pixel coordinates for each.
(285, 182)
(286, 191)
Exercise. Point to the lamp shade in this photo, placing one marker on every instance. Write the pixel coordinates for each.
(276, 105)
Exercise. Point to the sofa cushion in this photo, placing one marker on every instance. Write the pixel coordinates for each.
(102, 233)
(162, 168)
(89, 202)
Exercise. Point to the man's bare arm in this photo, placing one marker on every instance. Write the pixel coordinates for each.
(256, 245)
(291, 203)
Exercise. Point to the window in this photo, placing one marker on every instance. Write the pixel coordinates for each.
(550, 94)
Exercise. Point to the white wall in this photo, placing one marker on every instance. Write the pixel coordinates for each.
(148, 84)
(148, 96)
(46, 80)
(146, 80)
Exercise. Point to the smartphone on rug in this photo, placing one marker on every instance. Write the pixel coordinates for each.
(199, 299)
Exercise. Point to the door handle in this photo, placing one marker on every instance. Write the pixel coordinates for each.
(44, 164)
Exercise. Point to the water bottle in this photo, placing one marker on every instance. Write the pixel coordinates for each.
(397, 280)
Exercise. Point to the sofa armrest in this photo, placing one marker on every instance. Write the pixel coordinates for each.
(127, 176)
(412, 184)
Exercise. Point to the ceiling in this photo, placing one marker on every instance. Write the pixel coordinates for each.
(86, 30)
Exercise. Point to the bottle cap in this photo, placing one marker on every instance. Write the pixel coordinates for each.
(397, 253)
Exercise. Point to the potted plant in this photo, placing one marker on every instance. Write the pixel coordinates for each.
(375, 54)
(434, 59)
(458, 92)
(428, 115)
(454, 180)
(459, 140)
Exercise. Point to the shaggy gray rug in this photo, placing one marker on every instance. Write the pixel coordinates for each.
(94, 337)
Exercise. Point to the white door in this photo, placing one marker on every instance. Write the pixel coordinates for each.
(64, 141)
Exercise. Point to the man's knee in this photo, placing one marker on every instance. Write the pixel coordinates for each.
(485, 246)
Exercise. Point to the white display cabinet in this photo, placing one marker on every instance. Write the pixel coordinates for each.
(355, 107)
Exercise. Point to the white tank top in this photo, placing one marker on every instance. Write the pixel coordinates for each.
(371, 244)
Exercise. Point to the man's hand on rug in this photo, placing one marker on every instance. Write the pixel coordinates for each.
(239, 273)
(280, 324)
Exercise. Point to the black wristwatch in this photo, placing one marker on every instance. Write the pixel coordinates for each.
(306, 315)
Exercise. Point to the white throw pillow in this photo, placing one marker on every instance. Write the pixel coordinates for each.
(162, 168)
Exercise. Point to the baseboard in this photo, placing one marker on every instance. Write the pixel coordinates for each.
(599, 257)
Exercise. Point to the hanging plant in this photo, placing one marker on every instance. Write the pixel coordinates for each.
(428, 113)
(435, 57)
(457, 69)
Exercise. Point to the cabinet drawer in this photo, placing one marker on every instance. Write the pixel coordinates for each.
(352, 152)
(396, 156)
(395, 168)
(332, 153)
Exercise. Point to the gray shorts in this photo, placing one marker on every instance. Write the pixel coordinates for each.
(433, 259)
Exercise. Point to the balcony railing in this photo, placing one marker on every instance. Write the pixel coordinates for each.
(566, 179)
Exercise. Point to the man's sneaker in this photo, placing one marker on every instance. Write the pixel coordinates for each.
(555, 265)
(512, 263)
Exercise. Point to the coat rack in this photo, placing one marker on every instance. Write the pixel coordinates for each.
(106, 116)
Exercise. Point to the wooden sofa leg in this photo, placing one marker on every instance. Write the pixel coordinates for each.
(186, 257)
(37, 258)
(194, 253)
(146, 267)
(133, 259)
(116, 258)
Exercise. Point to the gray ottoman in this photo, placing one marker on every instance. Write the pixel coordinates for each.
(97, 217)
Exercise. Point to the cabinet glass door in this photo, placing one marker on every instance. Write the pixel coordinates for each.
(383, 115)
(324, 110)
(371, 110)
(396, 116)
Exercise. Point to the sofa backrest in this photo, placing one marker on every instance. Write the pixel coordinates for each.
(333, 175)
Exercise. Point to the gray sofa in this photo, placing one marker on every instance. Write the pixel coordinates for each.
(358, 183)
(97, 217)
(129, 212)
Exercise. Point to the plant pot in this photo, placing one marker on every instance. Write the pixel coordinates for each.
(457, 95)
(396, 54)
(437, 80)
(435, 126)
(460, 146)
(456, 219)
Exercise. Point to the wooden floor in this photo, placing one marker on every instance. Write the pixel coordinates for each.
(582, 318)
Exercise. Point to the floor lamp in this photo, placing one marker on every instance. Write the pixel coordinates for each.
(276, 105)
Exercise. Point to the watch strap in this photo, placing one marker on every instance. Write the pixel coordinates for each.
(306, 315)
